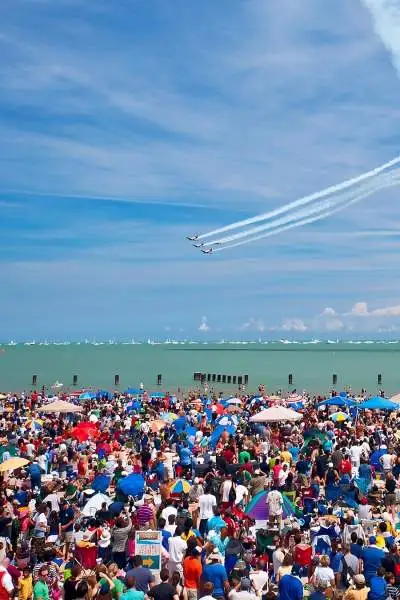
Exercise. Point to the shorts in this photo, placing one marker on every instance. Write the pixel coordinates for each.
(68, 537)
(192, 594)
(390, 499)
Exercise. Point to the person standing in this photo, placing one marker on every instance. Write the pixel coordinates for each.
(290, 588)
(41, 589)
(192, 571)
(274, 502)
(207, 502)
(177, 549)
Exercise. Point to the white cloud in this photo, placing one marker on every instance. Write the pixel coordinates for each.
(253, 325)
(334, 325)
(328, 312)
(359, 309)
(294, 325)
(204, 326)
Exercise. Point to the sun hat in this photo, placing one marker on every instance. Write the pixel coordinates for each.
(359, 579)
(215, 555)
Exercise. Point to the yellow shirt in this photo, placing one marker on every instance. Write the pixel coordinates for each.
(25, 588)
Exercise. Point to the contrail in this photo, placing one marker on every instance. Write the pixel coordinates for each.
(386, 18)
(332, 201)
(312, 219)
(304, 200)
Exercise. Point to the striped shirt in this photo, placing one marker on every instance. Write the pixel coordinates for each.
(144, 515)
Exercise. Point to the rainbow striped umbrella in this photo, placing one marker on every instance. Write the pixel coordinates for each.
(34, 424)
(257, 509)
(180, 486)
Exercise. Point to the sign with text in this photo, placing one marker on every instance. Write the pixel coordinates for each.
(148, 546)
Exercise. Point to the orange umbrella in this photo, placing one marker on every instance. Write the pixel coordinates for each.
(157, 425)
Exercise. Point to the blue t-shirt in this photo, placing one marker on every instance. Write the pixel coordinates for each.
(132, 595)
(215, 573)
(356, 549)
(377, 588)
(372, 559)
(290, 588)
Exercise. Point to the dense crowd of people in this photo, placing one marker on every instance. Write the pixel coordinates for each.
(244, 509)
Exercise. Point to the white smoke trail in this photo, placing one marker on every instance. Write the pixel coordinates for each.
(386, 18)
(304, 200)
(341, 200)
(312, 219)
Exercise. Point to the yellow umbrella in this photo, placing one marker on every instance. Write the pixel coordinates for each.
(13, 463)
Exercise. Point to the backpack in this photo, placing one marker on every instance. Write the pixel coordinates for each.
(232, 494)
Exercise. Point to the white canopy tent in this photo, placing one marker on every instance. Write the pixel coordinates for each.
(276, 414)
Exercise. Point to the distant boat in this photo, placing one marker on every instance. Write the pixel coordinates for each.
(30, 343)
(12, 343)
(57, 385)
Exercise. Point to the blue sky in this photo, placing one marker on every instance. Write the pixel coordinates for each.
(123, 130)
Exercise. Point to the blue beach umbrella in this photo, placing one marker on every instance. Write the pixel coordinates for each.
(378, 403)
(101, 483)
(133, 392)
(157, 395)
(336, 401)
(87, 396)
(132, 485)
(218, 431)
(227, 421)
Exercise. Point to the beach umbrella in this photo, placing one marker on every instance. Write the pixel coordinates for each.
(156, 395)
(378, 403)
(93, 418)
(101, 483)
(13, 463)
(180, 486)
(276, 414)
(227, 421)
(339, 417)
(60, 406)
(34, 424)
(94, 504)
(234, 409)
(337, 401)
(132, 485)
(116, 508)
(257, 508)
(234, 401)
(87, 396)
(133, 392)
(218, 431)
(157, 425)
(169, 417)
(84, 431)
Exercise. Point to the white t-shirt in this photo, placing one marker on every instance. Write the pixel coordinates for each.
(259, 579)
(6, 581)
(277, 559)
(275, 503)
(387, 461)
(241, 492)
(324, 575)
(206, 504)
(355, 453)
(226, 488)
(177, 549)
(242, 595)
(54, 501)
